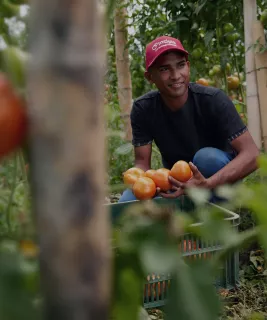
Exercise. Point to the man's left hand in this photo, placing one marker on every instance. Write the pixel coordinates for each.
(197, 180)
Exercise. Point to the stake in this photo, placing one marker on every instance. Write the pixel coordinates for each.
(67, 157)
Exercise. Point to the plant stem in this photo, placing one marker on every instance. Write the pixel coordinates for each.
(13, 185)
(237, 69)
(22, 165)
(25, 179)
(219, 50)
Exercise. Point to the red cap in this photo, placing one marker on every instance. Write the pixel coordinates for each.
(160, 45)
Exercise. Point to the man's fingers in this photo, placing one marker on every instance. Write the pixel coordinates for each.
(172, 195)
(176, 183)
(194, 169)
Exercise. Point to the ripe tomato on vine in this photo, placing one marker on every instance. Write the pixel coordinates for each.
(13, 119)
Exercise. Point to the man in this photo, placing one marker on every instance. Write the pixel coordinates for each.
(188, 122)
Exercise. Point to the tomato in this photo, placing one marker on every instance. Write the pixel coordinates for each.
(228, 27)
(233, 82)
(216, 69)
(263, 17)
(211, 83)
(13, 118)
(131, 175)
(110, 51)
(196, 53)
(29, 248)
(181, 171)
(231, 38)
(211, 73)
(203, 81)
(161, 179)
(144, 188)
(150, 173)
(228, 67)
(240, 75)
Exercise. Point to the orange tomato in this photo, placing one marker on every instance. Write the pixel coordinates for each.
(161, 179)
(233, 82)
(181, 171)
(203, 81)
(131, 175)
(150, 174)
(144, 188)
(13, 118)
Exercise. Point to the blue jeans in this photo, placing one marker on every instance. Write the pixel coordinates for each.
(208, 161)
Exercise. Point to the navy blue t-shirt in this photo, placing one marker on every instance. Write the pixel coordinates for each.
(208, 119)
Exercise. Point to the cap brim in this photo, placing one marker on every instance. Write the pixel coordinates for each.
(164, 51)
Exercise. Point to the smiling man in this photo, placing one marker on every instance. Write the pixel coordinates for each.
(188, 122)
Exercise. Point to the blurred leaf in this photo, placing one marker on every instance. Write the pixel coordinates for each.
(177, 3)
(199, 195)
(199, 7)
(115, 133)
(157, 258)
(262, 161)
(127, 305)
(193, 295)
(181, 19)
(124, 149)
(15, 62)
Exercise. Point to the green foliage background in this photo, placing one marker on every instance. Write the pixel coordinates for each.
(212, 31)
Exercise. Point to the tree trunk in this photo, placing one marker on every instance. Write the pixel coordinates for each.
(254, 123)
(123, 65)
(261, 73)
(67, 157)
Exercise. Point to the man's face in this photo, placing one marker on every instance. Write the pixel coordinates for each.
(170, 74)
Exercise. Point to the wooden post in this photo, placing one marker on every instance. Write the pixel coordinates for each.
(253, 111)
(65, 84)
(123, 65)
(261, 72)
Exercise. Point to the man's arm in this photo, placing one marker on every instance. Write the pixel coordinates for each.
(242, 165)
(143, 156)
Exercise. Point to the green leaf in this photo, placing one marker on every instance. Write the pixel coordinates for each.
(199, 195)
(177, 3)
(181, 19)
(208, 37)
(124, 149)
(15, 63)
(262, 161)
(199, 7)
(157, 258)
(193, 295)
(127, 304)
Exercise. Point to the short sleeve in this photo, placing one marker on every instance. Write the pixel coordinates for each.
(227, 120)
(140, 127)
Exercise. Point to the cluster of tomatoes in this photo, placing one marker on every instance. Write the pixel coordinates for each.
(144, 184)
(13, 119)
(233, 82)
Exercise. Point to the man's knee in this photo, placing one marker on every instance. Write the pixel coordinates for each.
(210, 160)
(127, 196)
